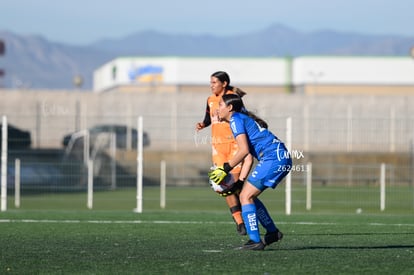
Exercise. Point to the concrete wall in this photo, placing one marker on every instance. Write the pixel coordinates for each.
(320, 122)
(345, 136)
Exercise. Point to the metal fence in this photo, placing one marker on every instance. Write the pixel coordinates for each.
(346, 143)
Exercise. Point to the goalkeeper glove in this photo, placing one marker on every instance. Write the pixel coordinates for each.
(218, 174)
(235, 189)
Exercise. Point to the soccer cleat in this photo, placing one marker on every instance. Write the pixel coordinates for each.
(251, 245)
(241, 229)
(272, 237)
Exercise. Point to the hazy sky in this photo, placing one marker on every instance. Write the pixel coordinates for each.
(80, 22)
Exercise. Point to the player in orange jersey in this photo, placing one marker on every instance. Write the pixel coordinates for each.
(224, 147)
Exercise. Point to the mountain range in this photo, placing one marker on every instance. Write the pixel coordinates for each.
(33, 62)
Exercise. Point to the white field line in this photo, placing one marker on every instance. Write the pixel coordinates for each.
(176, 222)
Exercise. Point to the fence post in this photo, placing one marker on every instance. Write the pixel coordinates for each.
(382, 186)
(86, 147)
(309, 186)
(138, 209)
(288, 189)
(4, 165)
(163, 183)
(90, 184)
(17, 183)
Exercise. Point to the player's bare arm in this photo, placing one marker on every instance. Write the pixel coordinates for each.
(246, 166)
(200, 126)
(243, 151)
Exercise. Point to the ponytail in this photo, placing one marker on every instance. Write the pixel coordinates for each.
(238, 106)
(259, 121)
(239, 92)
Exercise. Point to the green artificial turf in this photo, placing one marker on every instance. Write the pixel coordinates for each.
(194, 234)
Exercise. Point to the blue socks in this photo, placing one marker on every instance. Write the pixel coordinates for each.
(250, 221)
(253, 212)
(264, 217)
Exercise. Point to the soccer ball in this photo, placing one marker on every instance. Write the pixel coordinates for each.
(226, 184)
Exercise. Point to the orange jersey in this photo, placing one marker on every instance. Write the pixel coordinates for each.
(224, 146)
(220, 130)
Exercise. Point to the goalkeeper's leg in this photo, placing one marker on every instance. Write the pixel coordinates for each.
(273, 234)
(235, 209)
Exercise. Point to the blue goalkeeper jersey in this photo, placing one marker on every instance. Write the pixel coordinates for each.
(263, 144)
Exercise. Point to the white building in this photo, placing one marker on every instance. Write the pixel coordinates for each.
(302, 74)
(172, 73)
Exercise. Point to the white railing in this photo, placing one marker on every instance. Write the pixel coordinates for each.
(191, 167)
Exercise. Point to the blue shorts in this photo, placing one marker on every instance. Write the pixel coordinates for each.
(270, 172)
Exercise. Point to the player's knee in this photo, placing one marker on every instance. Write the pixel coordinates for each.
(246, 197)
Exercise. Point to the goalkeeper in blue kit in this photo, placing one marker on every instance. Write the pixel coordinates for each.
(274, 163)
